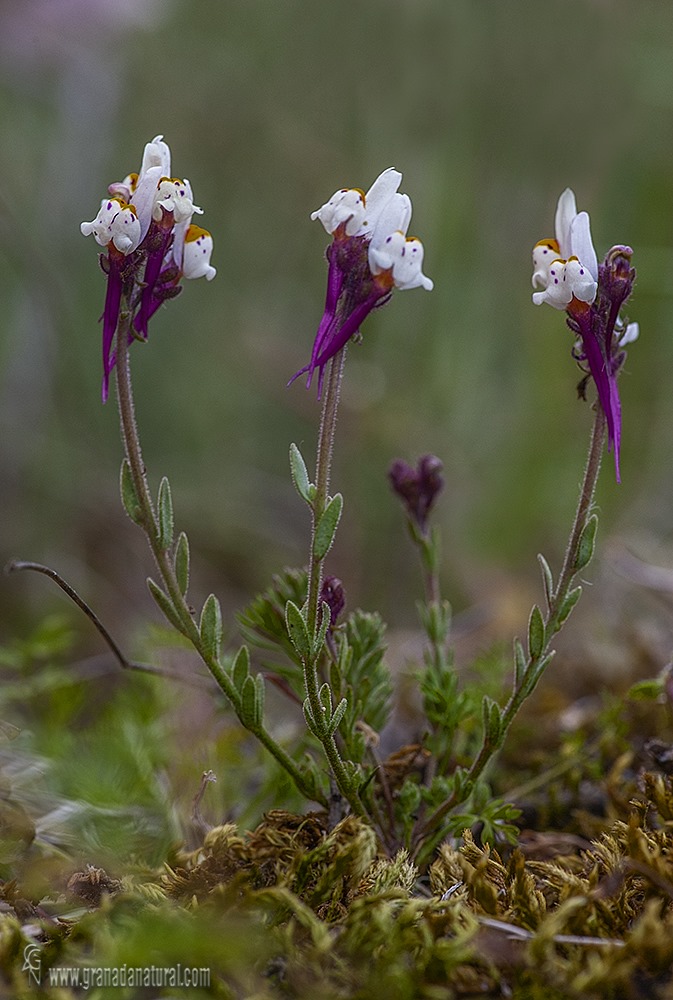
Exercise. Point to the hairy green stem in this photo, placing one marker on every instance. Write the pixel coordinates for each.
(552, 624)
(149, 523)
(328, 417)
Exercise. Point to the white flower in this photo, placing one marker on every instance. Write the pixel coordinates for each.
(175, 195)
(382, 216)
(126, 216)
(567, 266)
(198, 247)
(359, 211)
(115, 223)
(391, 250)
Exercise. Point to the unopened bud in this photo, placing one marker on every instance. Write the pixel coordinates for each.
(417, 488)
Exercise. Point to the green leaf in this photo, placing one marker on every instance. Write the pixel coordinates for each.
(240, 668)
(535, 673)
(585, 548)
(325, 696)
(181, 563)
(520, 663)
(568, 603)
(300, 475)
(327, 526)
(128, 493)
(338, 715)
(297, 631)
(165, 510)
(547, 578)
(310, 721)
(248, 709)
(210, 626)
(492, 720)
(259, 699)
(165, 603)
(648, 690)
(536, 635)
(325, 619)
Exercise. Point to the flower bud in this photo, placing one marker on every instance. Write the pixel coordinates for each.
(417, 488)
(616, 275)
(333, 594)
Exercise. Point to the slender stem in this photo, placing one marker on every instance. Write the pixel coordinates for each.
(145, 668)
(551, 626)
(326, 431)
(150, 525)
(324, 453)
(591, 471)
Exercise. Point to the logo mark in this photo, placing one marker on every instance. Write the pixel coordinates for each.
(32, 962)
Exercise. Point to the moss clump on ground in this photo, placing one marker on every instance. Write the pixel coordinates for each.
(293, 909)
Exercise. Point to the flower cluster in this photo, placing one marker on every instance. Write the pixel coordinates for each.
(566, 271)
(146, 228)
(370, 255)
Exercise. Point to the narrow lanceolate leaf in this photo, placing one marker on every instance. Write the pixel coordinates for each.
(337, 717)
(210, 626)
(248, 710)
(165, 603)
(568, 604)
(297, 631)
(325, 619)
(585, 549)
(240, 668)
(259, 699)
(181, 563)
(327, 526)
(128, 493)
(492, 719)
(535, 633)
(299, 474)
(520, 663)
(536, 672)
(310, 721)
(165, 512)
(547, 578)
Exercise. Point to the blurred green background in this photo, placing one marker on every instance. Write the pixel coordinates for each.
(489, 109)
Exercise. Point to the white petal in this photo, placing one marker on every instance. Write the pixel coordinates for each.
(407, 270)
(581, 244)
(405, 258)
(125, 230)
(196, 256)
(566, 210)
(383, 254)
(394, 217)
(630, 334)
(174, 196)
(157, 154)
(544, 254)
(116, 222)
(145, 196)
(557, 293)
(579, 280)
(377, 198)
(346, 205)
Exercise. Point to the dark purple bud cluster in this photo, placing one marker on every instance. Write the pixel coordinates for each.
(417, 488)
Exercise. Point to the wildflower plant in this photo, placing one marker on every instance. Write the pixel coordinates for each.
(324, 656)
